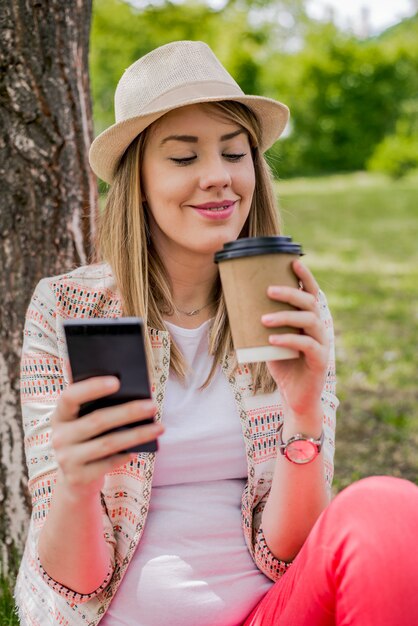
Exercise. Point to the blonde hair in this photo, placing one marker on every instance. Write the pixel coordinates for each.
(124, 242)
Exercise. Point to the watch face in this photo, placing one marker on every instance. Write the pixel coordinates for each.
(301, 451)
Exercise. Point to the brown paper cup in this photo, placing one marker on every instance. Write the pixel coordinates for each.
(244, 282)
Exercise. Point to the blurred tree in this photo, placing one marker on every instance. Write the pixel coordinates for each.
(284, 5)
(121, 34)
(345, 97)
(397, 154)
(48, 195)
(242, 38)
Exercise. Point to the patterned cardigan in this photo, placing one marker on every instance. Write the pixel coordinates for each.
(91, 292)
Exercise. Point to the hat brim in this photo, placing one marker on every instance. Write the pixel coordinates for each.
(108, 147)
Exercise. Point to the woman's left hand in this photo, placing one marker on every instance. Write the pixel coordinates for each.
(300, 380)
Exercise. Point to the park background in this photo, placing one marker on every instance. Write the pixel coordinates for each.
(346, 177)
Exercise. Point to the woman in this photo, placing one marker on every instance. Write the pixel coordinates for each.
(187, 174)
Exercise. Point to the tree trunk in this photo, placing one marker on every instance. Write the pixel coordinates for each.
(47, 202)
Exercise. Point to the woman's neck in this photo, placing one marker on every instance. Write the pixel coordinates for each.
(194, 301)
(192, 280)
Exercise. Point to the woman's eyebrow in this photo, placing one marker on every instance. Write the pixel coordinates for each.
(232, 135)
(193, 139)
(187, 138)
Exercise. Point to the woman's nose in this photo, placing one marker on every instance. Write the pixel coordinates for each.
(215, 174)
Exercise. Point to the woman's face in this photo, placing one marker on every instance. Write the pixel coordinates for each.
(197, 179)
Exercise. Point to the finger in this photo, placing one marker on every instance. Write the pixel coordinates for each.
(92, 472)
(67, 367)
(110, 444)
(305, 275)
(99, 468)
(306, 320)
(297, 298)
(314, 352)
(102, 420)
(84, 391)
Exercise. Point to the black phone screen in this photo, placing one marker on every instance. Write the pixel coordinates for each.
(103, 347)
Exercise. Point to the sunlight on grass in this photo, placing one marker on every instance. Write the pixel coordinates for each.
(355, 265)
(344, 182)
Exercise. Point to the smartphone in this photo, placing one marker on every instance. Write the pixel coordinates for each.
(111, 347)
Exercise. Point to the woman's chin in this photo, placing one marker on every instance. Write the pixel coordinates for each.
(217, 242)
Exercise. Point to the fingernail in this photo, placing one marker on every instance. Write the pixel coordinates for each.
(267, 318)
(111, 381)
(273, 290)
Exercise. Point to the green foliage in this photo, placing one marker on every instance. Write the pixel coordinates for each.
(346, 96)
(396, 155)
(121, 34)
(263, 4)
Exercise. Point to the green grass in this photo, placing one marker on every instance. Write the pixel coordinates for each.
(8, 616)
(359, 232)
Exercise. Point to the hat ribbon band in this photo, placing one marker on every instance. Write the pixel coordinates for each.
(185, 95)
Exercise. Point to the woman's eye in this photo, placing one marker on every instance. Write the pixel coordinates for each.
(235, 157)
(187, 160)
(183, 161)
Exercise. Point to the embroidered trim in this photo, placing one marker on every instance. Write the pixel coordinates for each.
(68, 593)
(263, 556)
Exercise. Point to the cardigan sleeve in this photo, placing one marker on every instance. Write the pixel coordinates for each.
(42, 382)
(263, 557)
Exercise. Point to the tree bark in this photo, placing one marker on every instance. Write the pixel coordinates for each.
(48, 199)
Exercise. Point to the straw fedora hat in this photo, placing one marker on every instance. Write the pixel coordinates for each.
(172, 76)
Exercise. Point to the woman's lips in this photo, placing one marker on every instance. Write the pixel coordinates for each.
(216, 210)
(215, 205)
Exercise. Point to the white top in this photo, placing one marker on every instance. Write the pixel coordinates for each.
(192, 567)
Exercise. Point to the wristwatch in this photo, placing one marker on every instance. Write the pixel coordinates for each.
(300, 448)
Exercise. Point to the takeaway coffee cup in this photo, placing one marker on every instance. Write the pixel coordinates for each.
(247, 267)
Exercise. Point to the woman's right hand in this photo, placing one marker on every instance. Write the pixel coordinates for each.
(84, 459)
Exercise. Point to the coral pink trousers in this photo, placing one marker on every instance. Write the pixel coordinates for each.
(359, 565)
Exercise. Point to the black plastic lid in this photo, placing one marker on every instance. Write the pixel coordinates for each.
(254, 246)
